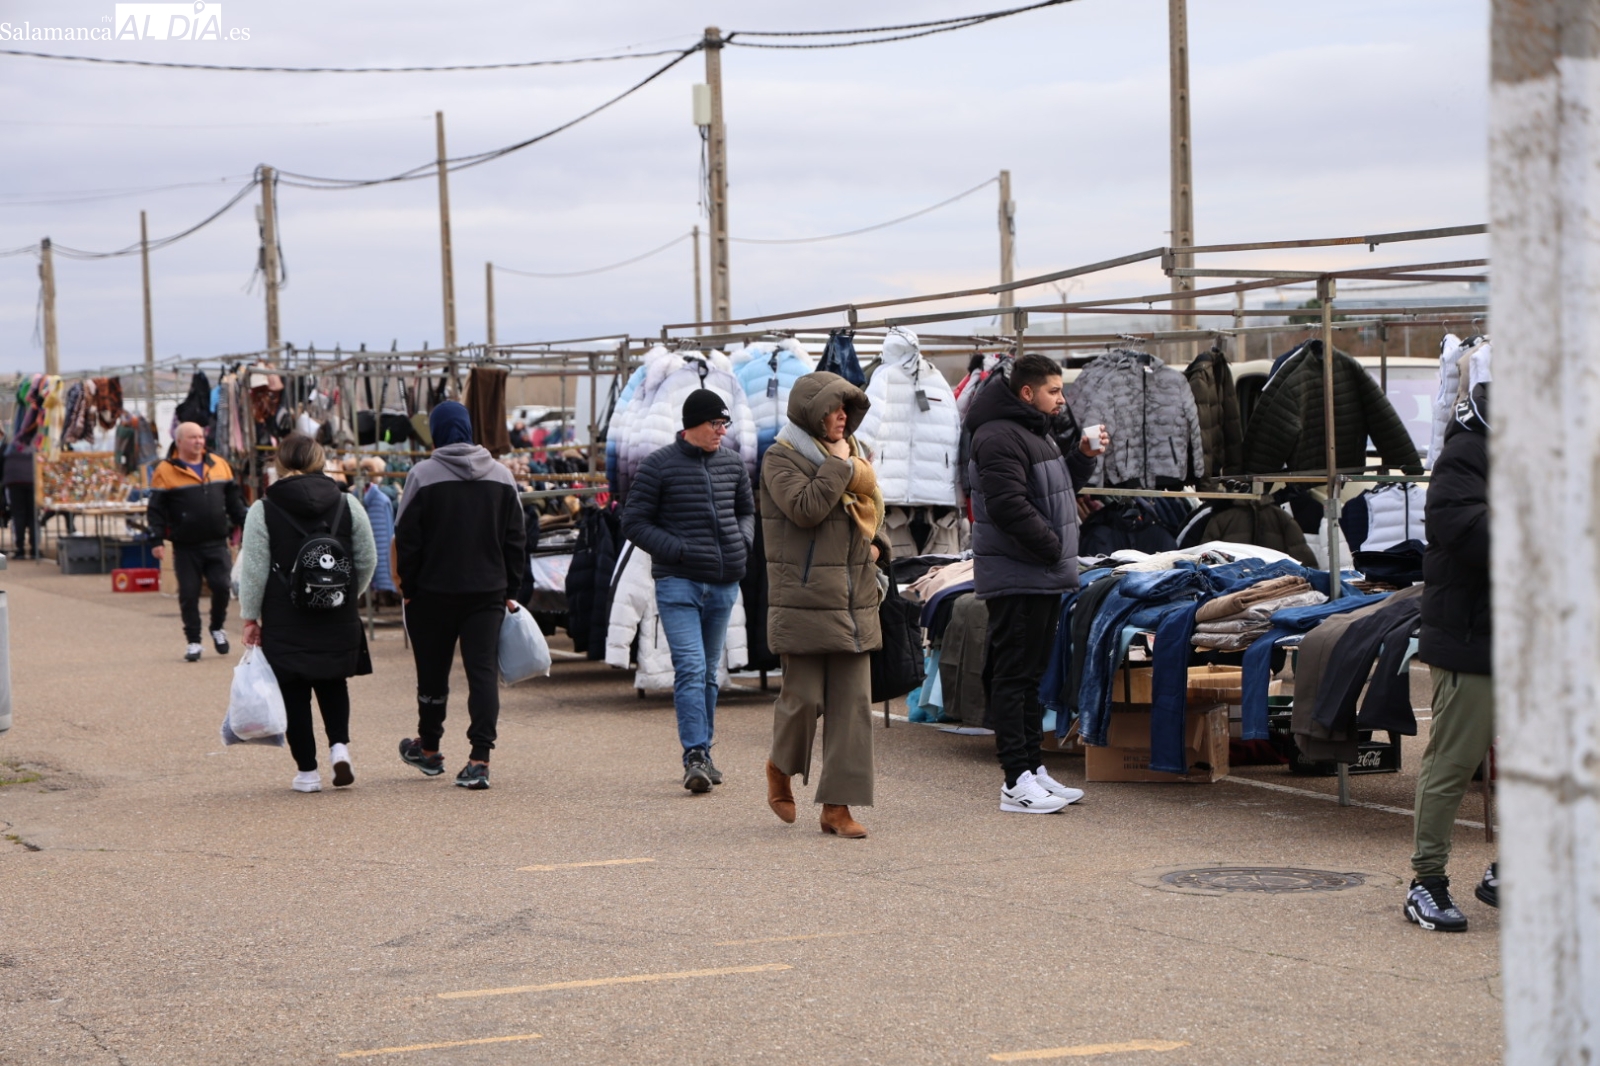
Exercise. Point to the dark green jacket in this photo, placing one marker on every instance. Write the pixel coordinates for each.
(1217, 403)
(1286, 427)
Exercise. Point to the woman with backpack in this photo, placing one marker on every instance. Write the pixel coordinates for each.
(306, 556)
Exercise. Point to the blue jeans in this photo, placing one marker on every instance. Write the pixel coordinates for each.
(694, 616)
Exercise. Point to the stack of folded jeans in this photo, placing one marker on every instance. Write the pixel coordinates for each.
(1235, 621)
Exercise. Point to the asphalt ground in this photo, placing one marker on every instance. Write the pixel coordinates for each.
(164, 900)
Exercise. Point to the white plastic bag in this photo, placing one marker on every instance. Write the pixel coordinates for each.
(255, 704)
(523, 651)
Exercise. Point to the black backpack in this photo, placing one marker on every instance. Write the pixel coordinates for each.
(323, 574)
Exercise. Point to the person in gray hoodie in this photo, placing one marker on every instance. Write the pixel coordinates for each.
(460, 548)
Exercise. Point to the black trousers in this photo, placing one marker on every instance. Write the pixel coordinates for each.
(1022, 630)
(196, 563)
(435, 623)
(19, 499)
(333, 700)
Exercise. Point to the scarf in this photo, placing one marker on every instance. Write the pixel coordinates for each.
(863, 501)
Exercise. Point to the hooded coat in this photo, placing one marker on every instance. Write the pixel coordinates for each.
(1024, 500)
(1286, 425)
(913, 442)
(822, 585)
(1457, 632)
(460, 530)
(767, 372)
(654, 412)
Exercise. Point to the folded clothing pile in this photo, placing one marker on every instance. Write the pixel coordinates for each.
(1234, 622)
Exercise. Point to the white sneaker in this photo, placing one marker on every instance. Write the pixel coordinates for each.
(308, 781)
(1042, 778)
(1029, 797)
(191, 654)
(339, 756)
(219, 640)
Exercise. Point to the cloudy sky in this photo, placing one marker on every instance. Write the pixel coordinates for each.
(1309, 120)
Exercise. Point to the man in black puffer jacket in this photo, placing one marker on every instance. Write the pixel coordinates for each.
(1025, 555)
(691, 508)
(1456, 643)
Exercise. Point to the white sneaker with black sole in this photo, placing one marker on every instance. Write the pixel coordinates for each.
(1027, 796)
(339, 756)
(191, 654)
(1042, 778)
(308, 781)
(219, 640)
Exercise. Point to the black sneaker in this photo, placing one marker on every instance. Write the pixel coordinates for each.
(1488, 890)
(474, 775)
(219, 640)
(696, 771)
(711, 769)
(1429, 905)
(411, 752)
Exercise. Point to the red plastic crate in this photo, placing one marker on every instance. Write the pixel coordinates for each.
(136, 580)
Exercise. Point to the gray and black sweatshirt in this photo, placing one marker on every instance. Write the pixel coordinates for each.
(460, 528)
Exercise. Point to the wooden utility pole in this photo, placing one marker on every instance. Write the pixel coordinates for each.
(269, 258)
(447, 260)
(1008, 234)
(1182, 177)
(1544, 175)
(488, 292)
(717, 167)
(47, 281)
(698, 309)
(149, 326)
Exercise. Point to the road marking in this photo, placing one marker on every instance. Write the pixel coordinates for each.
(1330, 796)
(1085, 1050)
(576, 865)
(781, 939)
(631, 979)
(431, 1047)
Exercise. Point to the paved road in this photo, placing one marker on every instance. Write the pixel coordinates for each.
(165, 901)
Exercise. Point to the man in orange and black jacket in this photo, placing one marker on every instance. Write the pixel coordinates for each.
(196, 504)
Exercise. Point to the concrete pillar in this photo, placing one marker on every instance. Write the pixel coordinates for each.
(1544, 121)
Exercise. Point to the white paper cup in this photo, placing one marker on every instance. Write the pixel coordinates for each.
(1091, 434)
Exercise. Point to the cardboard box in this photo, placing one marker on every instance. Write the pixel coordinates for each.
(1216, 684)
(1127, 755)
(1132, 685)
(136, 579)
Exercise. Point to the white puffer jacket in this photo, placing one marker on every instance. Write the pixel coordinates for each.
(633, 611)
(655, 414)
(1394, 514)
(913, 451)
(1453, 356)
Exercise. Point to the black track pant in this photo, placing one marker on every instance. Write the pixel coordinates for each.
(207, 563)
(435, 623)
(333, 699)
(1022, 629)
(19, 498)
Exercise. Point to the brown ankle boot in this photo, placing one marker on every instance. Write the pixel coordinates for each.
(779, 796)
(836, 819)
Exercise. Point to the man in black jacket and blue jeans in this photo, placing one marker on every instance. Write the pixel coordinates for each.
(691, 508)
(1457, 643)
(460, 548)
(1025, 555)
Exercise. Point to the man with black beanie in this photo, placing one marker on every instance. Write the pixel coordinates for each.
(691, 508)
(460, 549)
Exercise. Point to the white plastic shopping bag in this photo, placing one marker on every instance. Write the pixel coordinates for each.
(255, 704)
(523, 651)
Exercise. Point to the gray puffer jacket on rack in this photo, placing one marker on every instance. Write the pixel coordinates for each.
(1148, 409)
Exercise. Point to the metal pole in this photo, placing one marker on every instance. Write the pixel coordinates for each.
(594, 403)
(1325, 291)
(717, 165)
(269, 267)
(149, 327)
(1008, 232)
(1544, 179)
(698, 310)
(446, 259)
(488, 291)
(47, 281)
(1181, 176)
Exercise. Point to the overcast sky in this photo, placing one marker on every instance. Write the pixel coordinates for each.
(1309, 120)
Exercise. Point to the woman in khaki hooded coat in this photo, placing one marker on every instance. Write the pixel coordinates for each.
(821, 511)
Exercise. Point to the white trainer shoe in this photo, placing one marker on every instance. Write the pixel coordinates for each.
(1027, 796)
(1042, 778)
(308, 781)
(339, 756)
(191, 654)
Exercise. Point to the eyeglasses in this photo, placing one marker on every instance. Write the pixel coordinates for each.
(721, 425)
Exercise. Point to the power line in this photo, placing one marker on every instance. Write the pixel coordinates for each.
(901, 26)
(866, 229)
(231, 68)
(133, 249)
(115, 194)
(679, 239)
(943, 26)
(431, 168)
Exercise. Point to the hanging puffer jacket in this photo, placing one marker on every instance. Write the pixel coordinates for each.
(912, 430)
(633, 614)
(1148, 409)
(767, 372)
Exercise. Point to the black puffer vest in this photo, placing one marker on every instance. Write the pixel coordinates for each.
(298, 642)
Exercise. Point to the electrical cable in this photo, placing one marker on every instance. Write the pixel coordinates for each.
(90, 197)
(901, 26)
(431, 168)
(679, 239)
(133, 249)
(865, 229)
(338, 70)
(946, 26)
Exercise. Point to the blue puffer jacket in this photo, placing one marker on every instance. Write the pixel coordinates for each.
(693, 512)
(1024, 500)
(767, 375)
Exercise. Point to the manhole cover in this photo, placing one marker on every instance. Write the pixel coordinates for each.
(1271, 880)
